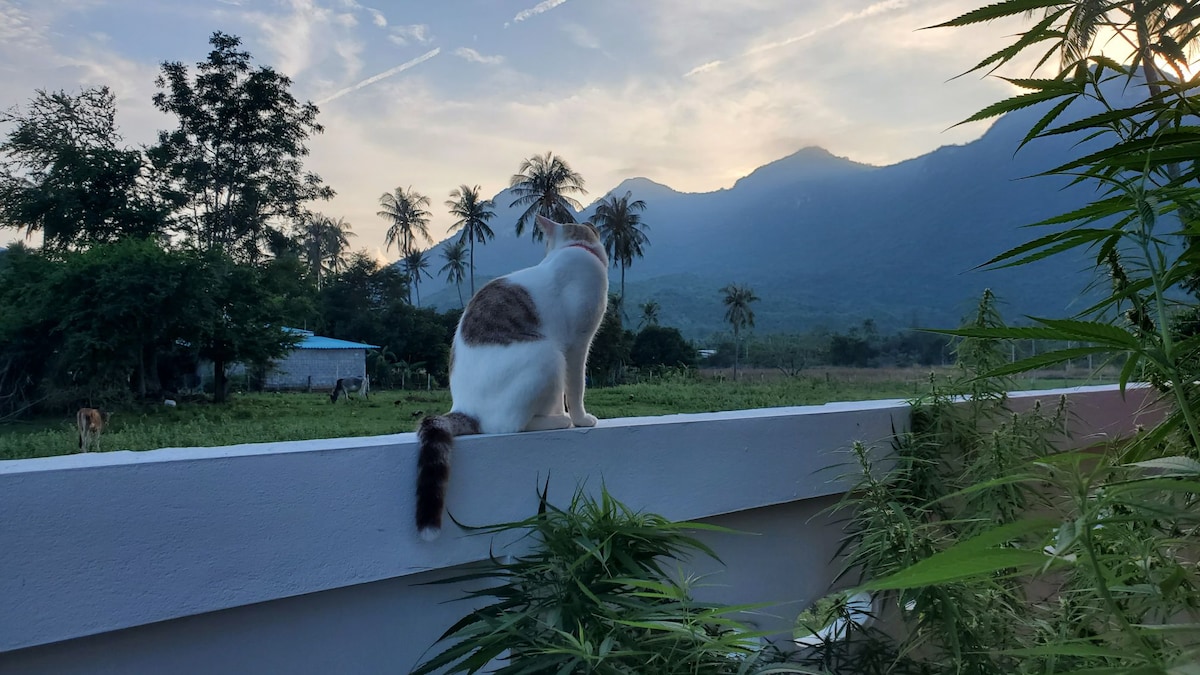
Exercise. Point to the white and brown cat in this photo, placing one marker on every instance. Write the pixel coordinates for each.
(520, 350)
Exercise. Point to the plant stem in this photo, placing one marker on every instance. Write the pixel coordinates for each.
(1168, 345)
(1105, 594)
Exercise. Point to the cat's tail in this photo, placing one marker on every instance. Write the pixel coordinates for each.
(436, 441)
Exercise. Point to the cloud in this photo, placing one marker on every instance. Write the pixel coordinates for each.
(385, 74)
(475, 57)
(417, 32)
(540, 8)
(377, 17)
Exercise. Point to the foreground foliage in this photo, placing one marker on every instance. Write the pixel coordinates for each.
(995, 551)
(596, 593)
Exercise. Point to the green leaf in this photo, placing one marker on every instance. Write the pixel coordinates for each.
(1178, 465)
(1058, 241)
(1093, 331)
(998, 10)
(973, 558)
(1018, 102)
(1047, 359)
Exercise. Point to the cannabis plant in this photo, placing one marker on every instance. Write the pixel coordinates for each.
(1000, 552)
(598, 591)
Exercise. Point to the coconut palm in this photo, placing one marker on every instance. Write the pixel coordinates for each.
(649, 314)
(415, 264)
(739, 315)
(405, 211)
(542, 184)
(622, 230)
(473, 214)
(324, 244)
(455, 268)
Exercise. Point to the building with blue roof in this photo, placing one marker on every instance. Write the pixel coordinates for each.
(317, 362)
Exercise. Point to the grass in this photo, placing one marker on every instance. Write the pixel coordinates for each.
(257, 418)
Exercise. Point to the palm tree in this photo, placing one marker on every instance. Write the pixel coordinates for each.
(473, 214)
(455, 268)
(649, 314)
(738, 314)
(408, 217)
(622, 230)
(541, 185)
(324, 243)
(416, 264)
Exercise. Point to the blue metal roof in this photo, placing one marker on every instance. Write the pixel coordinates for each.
(311, 341)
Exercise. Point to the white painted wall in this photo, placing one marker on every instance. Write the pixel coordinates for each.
(302, 557)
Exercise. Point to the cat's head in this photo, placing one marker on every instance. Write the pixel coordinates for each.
(562, 235)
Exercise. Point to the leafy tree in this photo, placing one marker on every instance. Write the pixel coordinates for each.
(416, 265)
(661, 346)
(610, 347)
(738, 313)
(622, 230)
(355, 301)
(28, 341)
(542, 185)
(472, 214)
(235, 160)
(324, 244)
(406, 212)
(650, 310)
(455, 268)
(122, 305)
(65, 175)
(249, 319)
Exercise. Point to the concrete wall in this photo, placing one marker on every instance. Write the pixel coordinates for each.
(319, 367)
(302, 557)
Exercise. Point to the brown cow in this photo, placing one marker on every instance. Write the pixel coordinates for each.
(91, 423)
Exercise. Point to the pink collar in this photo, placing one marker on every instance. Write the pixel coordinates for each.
(589, 250)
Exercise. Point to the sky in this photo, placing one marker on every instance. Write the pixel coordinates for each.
(693, 94)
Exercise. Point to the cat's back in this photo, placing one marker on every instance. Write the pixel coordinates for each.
(502, 312)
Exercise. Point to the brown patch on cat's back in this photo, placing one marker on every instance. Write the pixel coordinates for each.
(501, 313)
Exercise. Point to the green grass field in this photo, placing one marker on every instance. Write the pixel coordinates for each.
(255, 418)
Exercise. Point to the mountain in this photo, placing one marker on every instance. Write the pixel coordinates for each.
(828, 242)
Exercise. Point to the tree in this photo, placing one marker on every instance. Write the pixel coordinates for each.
(650, 311)
(415, 266)
(405, 211)
(542, 184)
(324, 244)
(739, 315)
(235, 160)
(473, 214)
(249, 319)
(65, 175)
(610, 347)
(622, 230)
(657, 346)
(455, 268)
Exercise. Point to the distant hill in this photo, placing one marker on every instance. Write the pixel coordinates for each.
(827, 242)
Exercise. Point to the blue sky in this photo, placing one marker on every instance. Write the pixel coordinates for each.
(690, 93)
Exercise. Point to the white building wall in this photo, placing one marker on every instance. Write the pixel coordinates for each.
(318, 368)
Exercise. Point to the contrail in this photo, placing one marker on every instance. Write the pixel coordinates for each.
(871, 10)
(375, 78)
(544, 6)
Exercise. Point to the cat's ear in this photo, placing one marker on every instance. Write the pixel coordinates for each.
(547, 226)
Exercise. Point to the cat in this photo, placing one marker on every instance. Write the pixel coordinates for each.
(520, 351)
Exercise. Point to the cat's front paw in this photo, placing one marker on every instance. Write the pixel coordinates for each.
(584, 420)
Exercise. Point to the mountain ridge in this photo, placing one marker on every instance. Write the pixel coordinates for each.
(827, 241)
